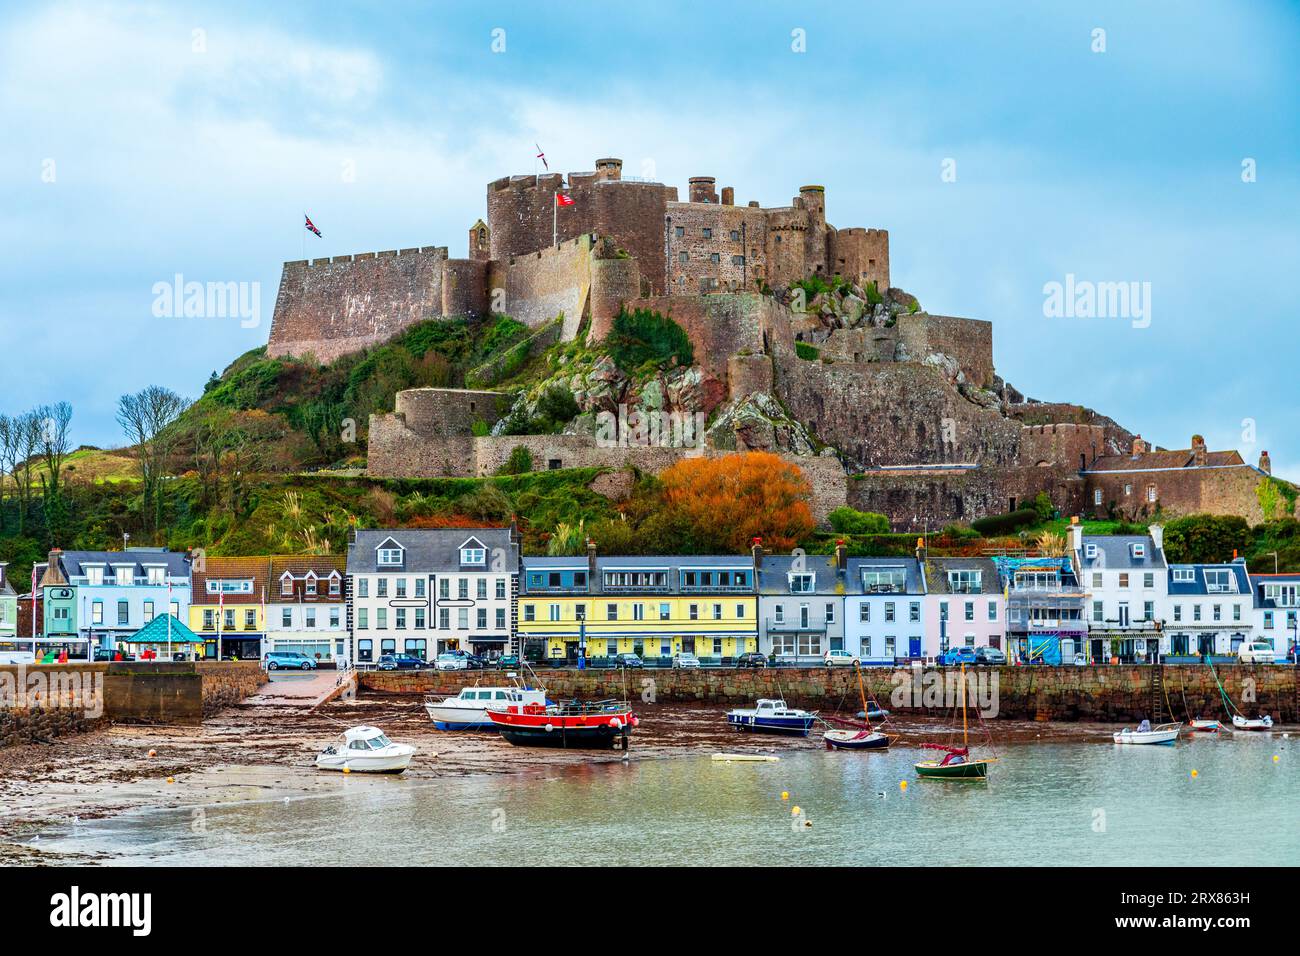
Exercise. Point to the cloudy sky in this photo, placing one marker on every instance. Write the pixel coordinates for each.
(999, 144)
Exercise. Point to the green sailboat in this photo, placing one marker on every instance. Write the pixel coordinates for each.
(956, 763)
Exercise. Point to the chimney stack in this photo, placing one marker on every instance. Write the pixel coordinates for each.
(591, 562)
(728, 195)
(1198, 451)
(1157, 536)
(1265, 463)
(1076, 534)
(1140, 447)
(841, 557)
(757, 551)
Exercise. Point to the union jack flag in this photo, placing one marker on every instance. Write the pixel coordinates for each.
(311, 226)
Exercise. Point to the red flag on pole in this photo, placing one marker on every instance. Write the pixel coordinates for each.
(562, 200)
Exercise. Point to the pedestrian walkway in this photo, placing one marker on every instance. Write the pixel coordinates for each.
(296, 689)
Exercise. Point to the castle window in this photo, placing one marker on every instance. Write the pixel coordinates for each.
(735, 235)
(1151, 493)
(681, 231)
(708, 233)
(681, 257)
(737, 260)
(778, 238)
(714, 258)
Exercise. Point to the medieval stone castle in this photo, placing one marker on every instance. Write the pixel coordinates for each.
(886, 407)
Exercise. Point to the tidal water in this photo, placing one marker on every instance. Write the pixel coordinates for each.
(1058, 803)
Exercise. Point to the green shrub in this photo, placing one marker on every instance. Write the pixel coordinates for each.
(1006, 523)
(645, 336)
(807, 352)
(520, 462)
(848, 520)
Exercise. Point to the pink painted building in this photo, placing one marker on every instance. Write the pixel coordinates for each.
(965, 607)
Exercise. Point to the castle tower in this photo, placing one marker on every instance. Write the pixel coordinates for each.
(480, 241)
(813, 199)
(702, 189)
(609, 169)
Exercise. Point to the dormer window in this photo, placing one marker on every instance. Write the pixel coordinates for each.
(1090, 551)
(286, 585)
(311, 583)
(1138, 550)
(472, 552)
(1184, 574)
(124, 576)
(965, 581)
(389, 554)
(94, 576)
(802, 583)
(336, 585)
(156, 576)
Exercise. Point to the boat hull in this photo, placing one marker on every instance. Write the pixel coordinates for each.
(1242, 723)
(970, 770)
(459, 718)
(796, 726)
(855, 740)
(538, 727)
(1152, 737)
(396, 762)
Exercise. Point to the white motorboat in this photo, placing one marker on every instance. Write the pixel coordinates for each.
(1146, 734)
(468, 709)
(365, 750)
(1259, 723)
(772, 716)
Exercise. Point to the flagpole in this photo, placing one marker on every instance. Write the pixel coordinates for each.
(555, 218)
(169, 615)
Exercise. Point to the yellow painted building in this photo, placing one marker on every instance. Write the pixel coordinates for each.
(229, 601)
(652, 607)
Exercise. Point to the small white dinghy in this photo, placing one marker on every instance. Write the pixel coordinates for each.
(1259, 723)
(1146, 734)
(365, 750)
(1206, 726)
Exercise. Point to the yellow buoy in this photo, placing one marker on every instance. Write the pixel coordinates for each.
(785, 794)
(1276, 758)
(347, 769)
(795, 811)
(171, 779)
(1195, 774)
(902, 785)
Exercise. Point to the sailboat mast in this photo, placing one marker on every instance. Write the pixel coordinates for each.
(866, 711)
(964, 742)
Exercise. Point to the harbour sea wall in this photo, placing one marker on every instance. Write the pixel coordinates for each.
(1094, 693)
(42, 701)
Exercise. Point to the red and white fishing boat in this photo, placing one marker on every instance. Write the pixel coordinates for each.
(593, 724)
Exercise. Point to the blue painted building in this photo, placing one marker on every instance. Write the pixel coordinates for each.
(95, 599)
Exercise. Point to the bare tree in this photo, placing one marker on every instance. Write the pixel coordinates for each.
(146, 417)
(20, 440)
(55, 439)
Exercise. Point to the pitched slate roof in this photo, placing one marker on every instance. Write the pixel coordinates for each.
(1198, 585)
(773, 574)
(155, 632)
(176, 562)
(428, 549)
(1114, 553)
(6, 588)
(936, 574)
(1257, 582)
(915, 581)
(1164, 460)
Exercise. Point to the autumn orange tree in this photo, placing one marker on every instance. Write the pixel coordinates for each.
(723, 503)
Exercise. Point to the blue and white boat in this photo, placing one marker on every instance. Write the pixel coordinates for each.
(772, 717)
(468, 709)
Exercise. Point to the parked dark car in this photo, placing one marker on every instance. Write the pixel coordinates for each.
(989, 655)
(629, 660)
(108, 654)
(751, 659)
(507, 662)
(402, 662)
